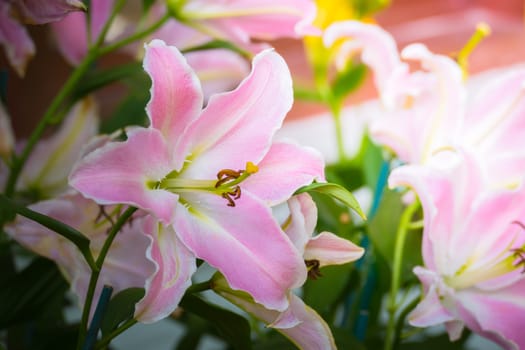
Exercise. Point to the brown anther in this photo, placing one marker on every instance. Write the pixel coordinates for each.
(102, 214)
(519, 253)
(226, 175)
(232, 195)
(313, 266)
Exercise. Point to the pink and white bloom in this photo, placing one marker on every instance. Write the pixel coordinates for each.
(47, 168)
(13, 35)
(213, 173)
(242, 20)
(433, 108)
(145, 254)
(300, 323)
(473, 242)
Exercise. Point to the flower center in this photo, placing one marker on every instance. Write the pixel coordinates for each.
(227, 184)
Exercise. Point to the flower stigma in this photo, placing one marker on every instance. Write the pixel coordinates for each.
(227, 184)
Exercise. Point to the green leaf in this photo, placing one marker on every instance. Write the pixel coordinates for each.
(146, 5)
(335, 191)
(120, 309)
(383, 230)
(31, 293)
(97, 79)
(66, 231)
(233, 328)
(348, 80)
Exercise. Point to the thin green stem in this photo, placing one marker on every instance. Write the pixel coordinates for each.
(102, 36)
(401, 236)
(199, 287)
(107, 339)
(139, 35)
(335, 108)
(401, 320)
(95, 274)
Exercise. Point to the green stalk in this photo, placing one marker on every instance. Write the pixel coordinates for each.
(401, 236)
(107, 339)
(117, 45)
(335, 108)
(96, 272)
(66, 231)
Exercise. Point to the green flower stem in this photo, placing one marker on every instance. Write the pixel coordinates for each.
(107, 339)
(199, 287)
(66, 231)
(102, 36)
(401, 236)
(335, 108)
(117, 45)
(96, 272)
(401, 320)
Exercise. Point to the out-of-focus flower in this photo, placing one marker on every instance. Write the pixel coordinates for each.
(13, 35)
(183, 169)
(473, 251)
(47, 168)
(432, 109)
(301, 324)
(242, 20)
(71, 33)
(127, 263)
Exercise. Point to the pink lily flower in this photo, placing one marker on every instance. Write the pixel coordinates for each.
(13, 35)
(473, 244)
(145, 254)
(47, 168)
(407, 97)
(300, 323)
(241, 20)
(433, 109)
(183, 170)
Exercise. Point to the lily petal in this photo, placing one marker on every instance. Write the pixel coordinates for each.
(107, 175)
(302, 220)
(15, 39)
(260, 258)
(252, 108)
(176, 95)
(330, 249)
(40, 12)
(49, 165)
(175, 265)
(218, 70)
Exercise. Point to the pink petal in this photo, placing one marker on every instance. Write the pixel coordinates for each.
(71, 37)
(299, 323)
(330, 249)
(237, 126)
(430, 311)
(174, 266)
(176, 96)
(124, 172)
(302, 220)
(498, 316)
(240, 19)
(49, 165)
(244, 243)
(40, 12)
(17, 43)
(219, 70)
(285, 168)
(379, 50)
